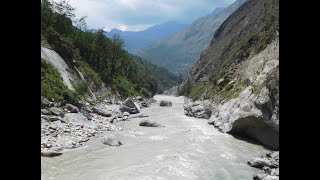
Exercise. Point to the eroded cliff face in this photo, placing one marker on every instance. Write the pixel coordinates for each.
(255, 112)
(55, 59)
(239, 73)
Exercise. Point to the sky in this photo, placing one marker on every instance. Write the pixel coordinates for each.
(138, 15)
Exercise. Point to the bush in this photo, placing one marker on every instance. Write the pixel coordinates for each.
(52, 86)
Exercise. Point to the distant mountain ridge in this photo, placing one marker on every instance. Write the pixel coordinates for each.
(140, 39)
(179, 52)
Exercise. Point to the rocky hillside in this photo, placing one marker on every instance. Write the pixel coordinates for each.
(239, 73)
(78, 64)
(140, 39)
(179, 52)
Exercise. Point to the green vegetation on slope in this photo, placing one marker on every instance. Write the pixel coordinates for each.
(52, 85)
(100, 59)
(165, 79)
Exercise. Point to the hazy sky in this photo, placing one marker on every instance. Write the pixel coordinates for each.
(136, 15)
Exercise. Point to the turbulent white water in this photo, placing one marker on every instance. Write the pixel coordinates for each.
(186, 148)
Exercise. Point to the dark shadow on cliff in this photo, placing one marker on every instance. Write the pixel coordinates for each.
(250, 140)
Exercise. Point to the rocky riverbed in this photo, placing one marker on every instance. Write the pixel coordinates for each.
(181, 147)
(68, 126)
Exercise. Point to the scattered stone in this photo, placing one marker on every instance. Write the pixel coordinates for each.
(260, 162)
(55, 118)
(148, 124)
(139, 98)
(53, 126)
(259, 176)
(50, 153)
(126, 114)
(111, 141)
(87, 115)
(144, 104)
(101, 112)
(45, 103)
(67, 130)
(271, 177)
(71, 108)
(56, 111)
(165, 103)
(44, 111)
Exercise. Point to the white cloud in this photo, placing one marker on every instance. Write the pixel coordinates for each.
(135, 15)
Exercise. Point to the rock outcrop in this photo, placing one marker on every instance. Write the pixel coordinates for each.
(197, 109)
(268, 164)
(239, 73)
(255, 112)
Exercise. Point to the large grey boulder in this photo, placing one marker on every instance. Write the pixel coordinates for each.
(259, 176)
(260, 163)
(71, 108)
(165, 103)
(101, 112)
(45, 112)
(252, 115)
(111, 141)
(45, 103)
(129, 106)
(56, 111)
(197, 109)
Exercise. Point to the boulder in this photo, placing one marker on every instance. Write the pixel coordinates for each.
(252, 115)
(144, 104)
(55, 118)
(44, 111)
(147, 123)
(111, 141)
(71, 108)
(45, 103)
(268, 177)
(260, 163)
(165, 103)
(50, 153)
(197, 109)
(126, 114)
(259, 176)
(56, 111)
(139, 98)
(101, 112)
(87, 115)
(129, 106)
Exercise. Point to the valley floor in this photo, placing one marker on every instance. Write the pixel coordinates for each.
(184, 148)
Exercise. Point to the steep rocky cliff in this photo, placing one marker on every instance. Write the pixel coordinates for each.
(239, 73)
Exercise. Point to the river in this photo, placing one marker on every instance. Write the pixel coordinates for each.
(186, 148)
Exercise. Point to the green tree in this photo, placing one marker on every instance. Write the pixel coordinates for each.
(117, 52)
